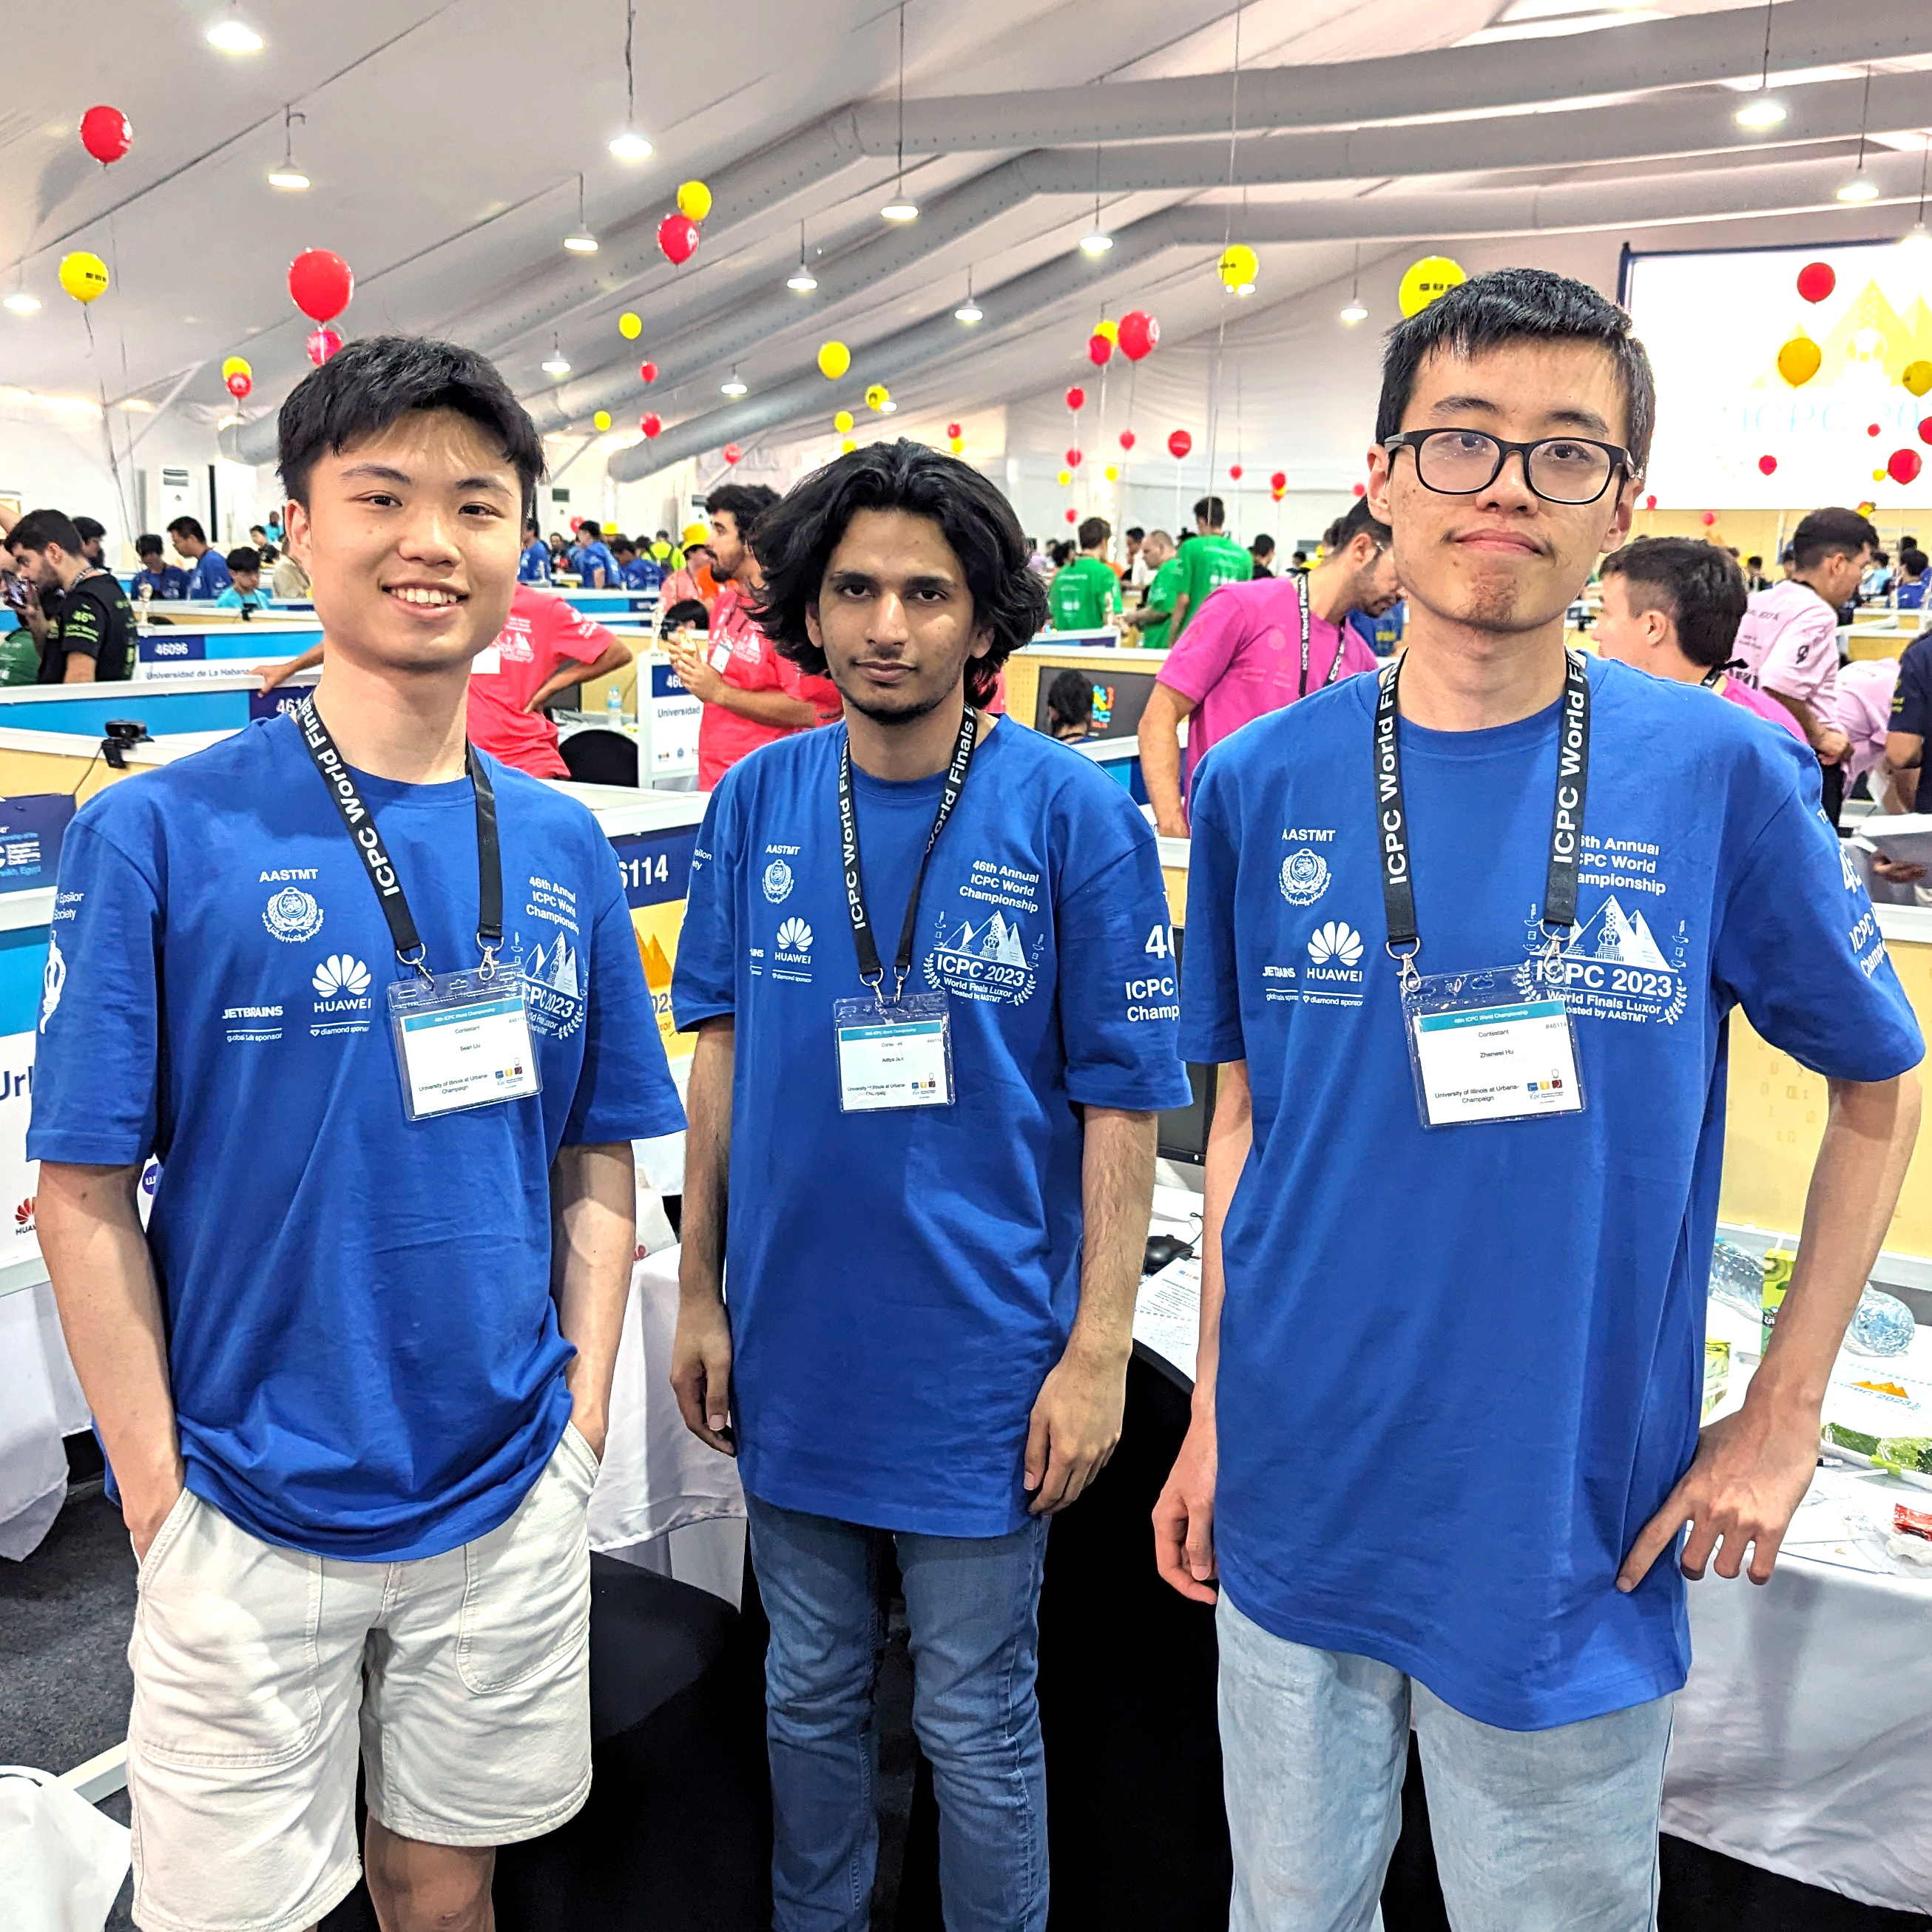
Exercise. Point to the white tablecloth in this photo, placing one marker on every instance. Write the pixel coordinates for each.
(39, 1402)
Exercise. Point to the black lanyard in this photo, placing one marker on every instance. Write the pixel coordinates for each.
(871, 972)
(360, 821)
(1301, 592)
(1566, 824)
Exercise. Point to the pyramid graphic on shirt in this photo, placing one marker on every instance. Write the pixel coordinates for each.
(997, 939)
(1611, 933)
(559, 971)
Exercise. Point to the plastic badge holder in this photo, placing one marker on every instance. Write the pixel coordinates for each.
(1523, 1066)
(893, 1053)
(463, 1040)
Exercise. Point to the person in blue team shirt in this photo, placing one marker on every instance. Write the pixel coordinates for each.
(1446, 1424)
(244, 592)
(208, 572)
(533, 565)
(596, 568)
(636, 571)
(157, 578)
(932, 1258)
(351, 1381)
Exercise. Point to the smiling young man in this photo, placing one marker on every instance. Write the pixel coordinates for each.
(351, 1379)
(927, 955)
(1464, 946)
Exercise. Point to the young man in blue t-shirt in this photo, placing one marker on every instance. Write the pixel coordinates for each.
(207, 575)
(919, 1168)
(352, 1380)
(533, 564)
(157, 578)
(1467, 985)
(596, 567)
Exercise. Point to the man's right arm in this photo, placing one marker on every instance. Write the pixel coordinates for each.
(701, 1352)
(273, 674)
(110, 1310)
(1827, 740)
(1159, 737)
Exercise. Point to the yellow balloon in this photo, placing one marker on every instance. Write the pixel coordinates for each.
(693, 200)
(1112, 472)
(630, 326)
(1422, 281)
(1066, 477)
(834, 359)
(1799, 360)
(1239, 265)
(235, 365)
(846, 447)
(1866, 509)
(1878, 475)
(957, 444)
(1918, 376)
(1109, 332)
(83, 276)
(842, 422)
(878, 396)
(602, 420)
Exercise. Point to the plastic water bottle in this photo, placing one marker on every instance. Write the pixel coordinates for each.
(613, 706)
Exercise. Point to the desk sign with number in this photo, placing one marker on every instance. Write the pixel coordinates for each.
(897, 1054)
(463, 1040)
(1479, 1057)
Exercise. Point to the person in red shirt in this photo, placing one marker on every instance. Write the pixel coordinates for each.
(545, 646)
(751, 695)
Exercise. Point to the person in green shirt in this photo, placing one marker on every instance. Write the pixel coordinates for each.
(1152, 620)
(1212, 559)
(1085, 592)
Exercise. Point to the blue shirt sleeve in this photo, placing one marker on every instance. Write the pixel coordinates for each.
(704, 982)
(1210, 996)
(624, 1090)
(1799, 950)
(1120, 1002)
(97, 1073)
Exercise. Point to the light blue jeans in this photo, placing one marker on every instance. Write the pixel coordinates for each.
(972, 1607)
(1535, 1831)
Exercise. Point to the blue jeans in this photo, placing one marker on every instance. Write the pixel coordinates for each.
(972, 1605)
(1549, 1830)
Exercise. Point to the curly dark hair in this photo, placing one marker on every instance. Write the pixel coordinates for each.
(798, 535)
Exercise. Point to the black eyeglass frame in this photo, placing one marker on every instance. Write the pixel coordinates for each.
(1413, 440)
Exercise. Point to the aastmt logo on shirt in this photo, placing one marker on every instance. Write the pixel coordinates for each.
(778, 881)
(292, 915)
(1304, 877)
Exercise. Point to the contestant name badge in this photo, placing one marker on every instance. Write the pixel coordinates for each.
(1484, 1049)
(463, 1040)
(721, 657)
(898, 1054)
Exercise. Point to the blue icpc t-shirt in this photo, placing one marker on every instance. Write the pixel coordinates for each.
(210, 576)
(1461, 1369)
(169, 582)
(643, 573)
(362, 1345)
(900, 1282)
(533, 566)
(597, 557)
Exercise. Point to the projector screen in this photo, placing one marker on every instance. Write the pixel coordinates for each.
(1713, 324)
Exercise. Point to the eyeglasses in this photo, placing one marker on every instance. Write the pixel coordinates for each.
(1559, 469)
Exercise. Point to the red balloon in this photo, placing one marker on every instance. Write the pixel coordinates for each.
(1710, 518)
(1925, 429)
(577, 523)
(1767, 464)
(647, 372)
(1180, 442)
(1234, 472)
(1815, 280)
(1127, 436)
(650, 423)
(1140, 334)
(1073, 459)
(1361, 490)
(731, 452)
(320, 284)
(239, 384)
(1076, 397)
(953, 429)
(1872, 429)
(1904, 465)
(106, 133)
(677, 238)
(1278, 480)
(1098, 350)
(1650, 502)
(1073, 514)
(322, 343)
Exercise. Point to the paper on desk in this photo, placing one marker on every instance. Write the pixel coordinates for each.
(1167, 1314)
(1905, 837)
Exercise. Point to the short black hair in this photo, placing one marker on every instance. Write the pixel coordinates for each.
(1519, 305)
(365, 388)
(1261, 543)
(1059, 553)
(589, 530)
(1094, 532)
(1878, 555)
(188, 526)
(1753, 563)
(1134, 533)
(797, 537)
(1912, 562)
(620, 545)
(1212, 512)
(1350, 524)
(253, 527)
(686, 610)
(1697, 585)
(530, 524)
(1069, 698)
(744, 503)
(1831, 532)
(39, 528)
(244, 558)
(148, 544)
(88, 528)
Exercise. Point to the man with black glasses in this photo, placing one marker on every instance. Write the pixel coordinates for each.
(1463, 945)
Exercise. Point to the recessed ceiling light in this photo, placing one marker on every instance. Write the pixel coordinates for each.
(293, 178)
(901, 210)
(1096, 243)
(630, 145)
(1354, 312)
(1762, 111)
(1860, 187)
(21, 303)
(233, 37)
(969, 310)
(734, 388)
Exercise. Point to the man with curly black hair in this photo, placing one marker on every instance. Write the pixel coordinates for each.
(937, 1068)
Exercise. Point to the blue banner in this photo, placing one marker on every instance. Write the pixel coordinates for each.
(31, 828)
(655, 866)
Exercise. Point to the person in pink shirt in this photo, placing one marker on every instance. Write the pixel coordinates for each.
(1863, 712)
(1244, 656)
(1671, 606)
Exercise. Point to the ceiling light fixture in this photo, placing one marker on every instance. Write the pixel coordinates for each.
(889, 407)
(288, 175)
(1097, 240)
(969, 310)
(1918, 241)
(734, 389)
(1761, 111)
(630, 145)
(899, 208)
(233, 37)
(1355, 312)
(555, 363)
(1862, 186)
(21, 303)
(802, 279)
(583, 242)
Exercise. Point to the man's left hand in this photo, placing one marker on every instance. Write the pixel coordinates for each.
(1749, 1474)
(1075, 1424)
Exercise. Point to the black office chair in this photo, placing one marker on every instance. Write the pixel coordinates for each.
(597, 757)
